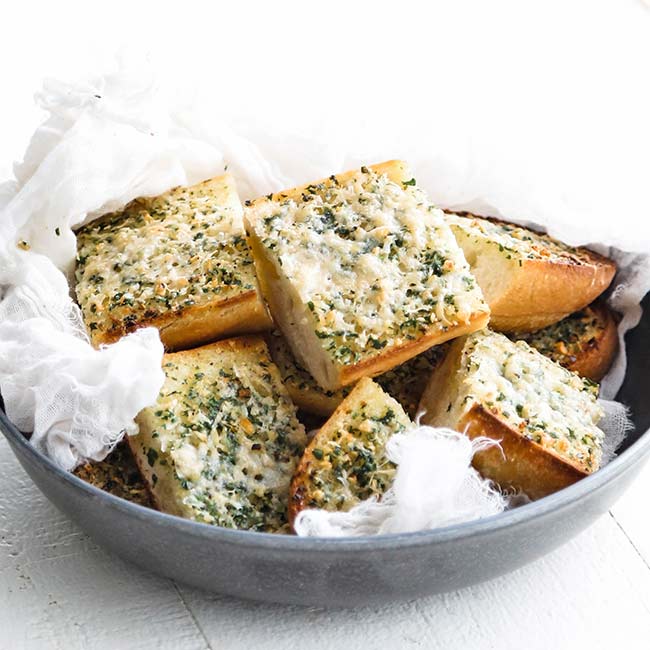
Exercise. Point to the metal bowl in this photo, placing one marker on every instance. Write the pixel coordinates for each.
(353, 571)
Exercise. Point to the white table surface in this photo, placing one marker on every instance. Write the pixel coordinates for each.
(58, 589)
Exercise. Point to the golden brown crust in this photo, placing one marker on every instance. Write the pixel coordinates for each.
(198, 325)
(545, 292)
(405, 382)
(540, 290)
(520, 464)
(597, 355)
(300, 485)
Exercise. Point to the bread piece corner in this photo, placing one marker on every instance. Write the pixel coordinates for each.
(530, 280)
(405, 382)
(544, 416)
(585, 342)
(178, 262)
(118, 475)
(361, 273)
(222, 441)
(346, 461)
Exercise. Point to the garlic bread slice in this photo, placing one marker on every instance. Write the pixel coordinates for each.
(222, 441)
(178, 262)
(530, 280)
(118, 475)
(544, 415)
(405, 382)
(361, 272)
(585, 342)
(346, 461)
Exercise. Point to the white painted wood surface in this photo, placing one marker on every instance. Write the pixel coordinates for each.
(59, 590)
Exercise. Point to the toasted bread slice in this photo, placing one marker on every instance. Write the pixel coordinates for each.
(361, 273)
(221, 444)
(405, 382)
(117, 474)
(305, 393)
(585, 342)
(544, 415)
(346, 460)
(178, 262)
(529, 280)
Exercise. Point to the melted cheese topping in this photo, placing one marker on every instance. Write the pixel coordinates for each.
(224, 435)
(163, 255)
(565, 341)
(515, 242)
(372, 262)
(348, 461)
(542, 400)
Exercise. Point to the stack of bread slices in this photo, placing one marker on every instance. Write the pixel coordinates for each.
(354, 304)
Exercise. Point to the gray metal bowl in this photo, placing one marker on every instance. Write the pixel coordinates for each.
(354, 571)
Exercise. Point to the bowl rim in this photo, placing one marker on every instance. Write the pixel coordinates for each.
(634, 454)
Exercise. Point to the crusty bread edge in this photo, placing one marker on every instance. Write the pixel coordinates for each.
(519, 463)
(545, 471)
(201, 324)
(197, 325)
(544, 292)
(541, 292)
(595, 361)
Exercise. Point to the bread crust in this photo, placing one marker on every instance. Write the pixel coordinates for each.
(596, 357)
(393, 355)
(544, 292)
(519, 464)
(539, 292)
(201, 324)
